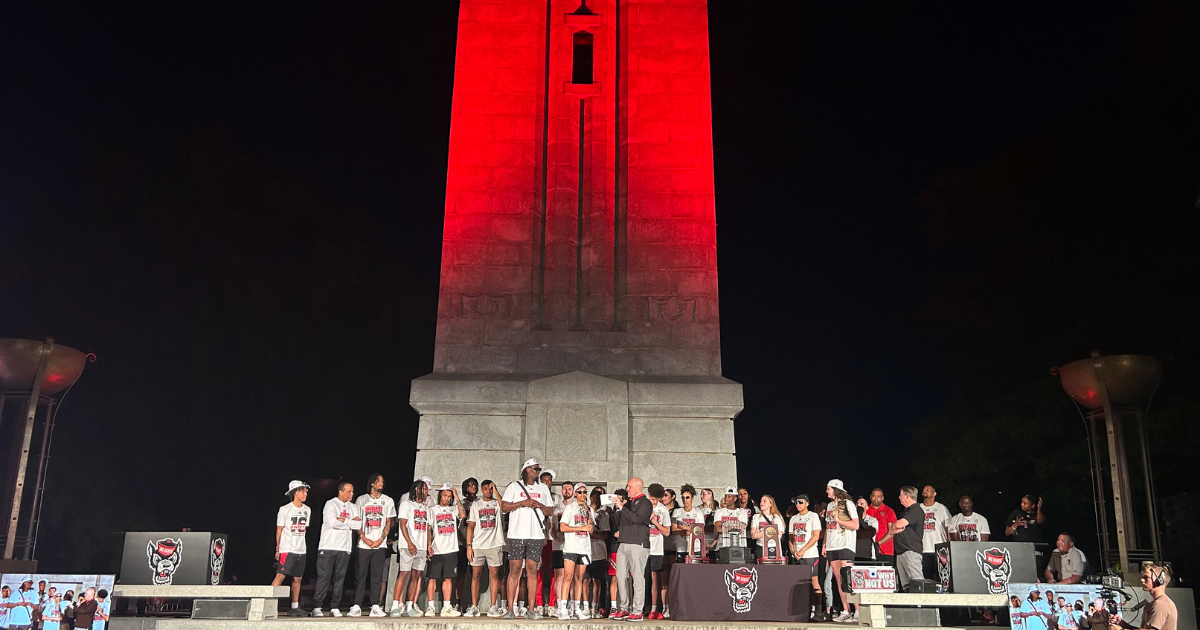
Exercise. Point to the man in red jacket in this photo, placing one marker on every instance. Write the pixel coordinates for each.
(886, 517)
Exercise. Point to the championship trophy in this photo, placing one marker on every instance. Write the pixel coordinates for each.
(771, 548)
(696, 551)
(733, 552)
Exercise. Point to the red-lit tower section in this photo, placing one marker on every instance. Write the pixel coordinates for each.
(580, 230)
(578, 318)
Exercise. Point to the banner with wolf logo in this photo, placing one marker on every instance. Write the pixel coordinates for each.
(984, 568)
(174, 558)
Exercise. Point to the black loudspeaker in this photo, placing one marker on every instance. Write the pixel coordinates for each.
(984, 567)
(912, 617)
(731, 555)
(221, 609)
(923, 586)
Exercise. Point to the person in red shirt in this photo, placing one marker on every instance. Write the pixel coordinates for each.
(886, 517)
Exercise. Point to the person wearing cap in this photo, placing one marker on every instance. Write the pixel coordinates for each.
(804, 534)
(443, 550)
(576, 523)
(52, 610)
(412, 549)
(527, 503)
(841, 540)
(339, 519)
(291, 523)
(485, 544)
(1035, 612)
(430, 500)
(20, 604)
(730, 521)
(379, 516)
(633, 551)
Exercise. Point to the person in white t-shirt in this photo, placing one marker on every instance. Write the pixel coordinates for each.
(575, 523)
(730, 522)
(841, 539)
(660, 527)
(551, 570)
(686, 517)
(527, 503)
(804, 529)
(768, 515)
(485, 544)
(429, 500)
(379, 516)
(443, 550)
(339, 519)
(470, 494)
(291, 523)
(937, 519)
(969, 525)
(412, 549)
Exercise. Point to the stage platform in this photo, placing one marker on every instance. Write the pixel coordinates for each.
(459, 623)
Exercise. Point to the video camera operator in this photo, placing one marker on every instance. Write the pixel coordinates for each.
(1160, 613)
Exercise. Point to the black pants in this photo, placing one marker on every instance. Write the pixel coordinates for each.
(331, 566)
(370, 565)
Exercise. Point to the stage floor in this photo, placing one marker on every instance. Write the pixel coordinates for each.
(459, 623)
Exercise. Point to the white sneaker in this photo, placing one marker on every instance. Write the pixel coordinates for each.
(354, 611)
(317, 612)
(855, 618)
(582, 613)
(377, 611)
(495, 611)
(450, 611)
(394, 612)
(430, 611)
(563, 615)
(473, 611)
(843, 617)
(335, 612)
(537, 610)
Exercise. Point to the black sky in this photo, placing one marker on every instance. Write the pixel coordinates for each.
(238, 208)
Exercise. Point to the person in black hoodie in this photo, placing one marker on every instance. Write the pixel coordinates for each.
(633, 552)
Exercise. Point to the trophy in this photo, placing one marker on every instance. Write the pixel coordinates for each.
(696, 551)
(733, 552)
(772, 553)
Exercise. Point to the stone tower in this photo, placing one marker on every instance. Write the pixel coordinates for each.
(578, 319)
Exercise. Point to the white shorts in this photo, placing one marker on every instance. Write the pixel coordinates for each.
(409, 562)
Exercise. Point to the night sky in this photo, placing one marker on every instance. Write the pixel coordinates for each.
(239, 210)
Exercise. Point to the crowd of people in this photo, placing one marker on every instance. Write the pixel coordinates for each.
(560, 548)
(46, 608)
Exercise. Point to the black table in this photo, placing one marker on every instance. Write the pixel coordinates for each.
(740, 592)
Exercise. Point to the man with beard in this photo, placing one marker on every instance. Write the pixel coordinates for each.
(20, 606)
(527, 503)
(937, 517)
(1035, 613)
(379, 513)
(886, 516)
(967, 525)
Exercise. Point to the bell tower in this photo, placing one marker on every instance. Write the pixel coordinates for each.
(578, 318)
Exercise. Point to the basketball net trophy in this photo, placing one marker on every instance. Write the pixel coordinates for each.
(734, 552)
(770, 544)
(696, 552)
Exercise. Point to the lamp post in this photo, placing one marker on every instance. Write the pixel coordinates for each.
(1117, 389)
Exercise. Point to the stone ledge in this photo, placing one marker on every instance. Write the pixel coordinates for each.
(199, 591)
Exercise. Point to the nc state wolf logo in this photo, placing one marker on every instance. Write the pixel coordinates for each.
(994, 566)
(164, 556)
(943, 567)
(742, 584)
(216, 559)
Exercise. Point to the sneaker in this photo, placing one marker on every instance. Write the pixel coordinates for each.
(473, 611)
(535, 614)
(521, 611)
(620, 615)
(377, 611)
(430, 610)
(666, 613)
(582, 613)
(495, 611)
(634, 617)
(394, 612)
(855, 617)
(300, 612)
(654, 614)
(538, 609)
(317, 612)
(354, 611)
(507, 614)
(335, 612)
(842, 617)
(450, 611)
(413, 612)
(563, 615)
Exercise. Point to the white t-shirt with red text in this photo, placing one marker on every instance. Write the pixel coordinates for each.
(416, 517)
(294, 521)
(375, 513)
(575, 515)
(688, 519)
(736, 519)
(936, 519)
(488, 532)
(525, 523)
(802, 526)
(445, 528)
(969, 528)
(656, 537)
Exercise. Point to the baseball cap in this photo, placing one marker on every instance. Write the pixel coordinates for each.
(581, 486)
(549, 471)
(730, 490)
(295, 483)
(427, 480)
(445, 486)
(836, 484)
(800, 497)
(530, 463)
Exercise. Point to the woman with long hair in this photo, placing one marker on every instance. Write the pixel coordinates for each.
(768, 515)
(841, 540)
(576, 523)
(708, 503)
